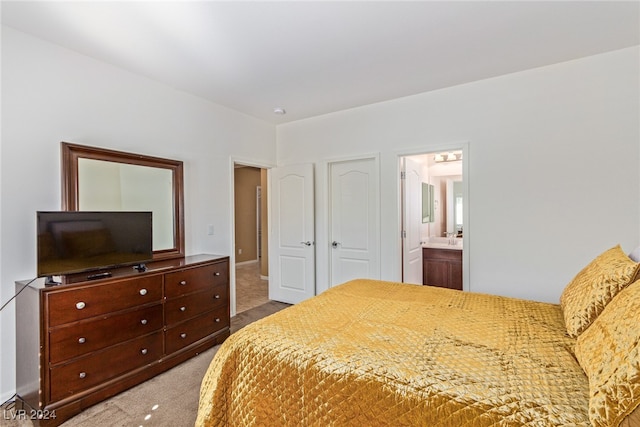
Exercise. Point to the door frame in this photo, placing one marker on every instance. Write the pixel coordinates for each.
(466, 237)
(233, 160)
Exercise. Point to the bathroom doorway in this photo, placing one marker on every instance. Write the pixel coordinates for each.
(434, 207)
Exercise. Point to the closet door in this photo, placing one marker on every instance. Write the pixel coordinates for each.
(354, 220)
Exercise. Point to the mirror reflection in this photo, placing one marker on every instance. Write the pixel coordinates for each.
(454, 206)
(110, 186)
(427, 203)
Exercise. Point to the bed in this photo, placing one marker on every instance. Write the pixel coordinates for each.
(369, 353)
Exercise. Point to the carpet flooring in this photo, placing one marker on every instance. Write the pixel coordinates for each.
(169, 399)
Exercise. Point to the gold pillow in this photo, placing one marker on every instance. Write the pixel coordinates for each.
(609, 353)
(591, 290)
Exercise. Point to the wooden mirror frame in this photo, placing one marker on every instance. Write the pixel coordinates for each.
(72, 152)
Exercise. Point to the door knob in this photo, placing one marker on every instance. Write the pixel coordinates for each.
(335, 244)
(307, 243)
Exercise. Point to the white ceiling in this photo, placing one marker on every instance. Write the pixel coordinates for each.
(314, 58)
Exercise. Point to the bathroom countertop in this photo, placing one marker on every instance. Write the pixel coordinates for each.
(443, 245)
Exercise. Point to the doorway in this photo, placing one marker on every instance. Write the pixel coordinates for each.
(250, 237)
(434, 207)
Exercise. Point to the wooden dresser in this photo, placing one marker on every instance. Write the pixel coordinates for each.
(442, 267)
(84, 341)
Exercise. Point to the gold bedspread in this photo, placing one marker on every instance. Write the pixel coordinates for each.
(370, 353)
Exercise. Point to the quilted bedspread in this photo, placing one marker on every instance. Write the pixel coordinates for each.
(370, 353)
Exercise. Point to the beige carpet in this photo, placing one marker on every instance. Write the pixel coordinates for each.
(170, 399)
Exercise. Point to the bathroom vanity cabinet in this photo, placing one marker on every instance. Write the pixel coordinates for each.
(442, 267)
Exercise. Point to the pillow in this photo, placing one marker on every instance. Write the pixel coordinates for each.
(635, 254)
(88, 243)
(590, 291)
(609, 353)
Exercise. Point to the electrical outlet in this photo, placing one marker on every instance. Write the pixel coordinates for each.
(239, 251)
(210, 229)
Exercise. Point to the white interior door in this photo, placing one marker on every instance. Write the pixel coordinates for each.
(412, 222)
(354, 220)
(292, 243)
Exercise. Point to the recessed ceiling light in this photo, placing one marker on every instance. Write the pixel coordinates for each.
(279, 110)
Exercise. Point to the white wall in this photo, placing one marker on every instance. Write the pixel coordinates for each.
(566, 137)
(49, 95)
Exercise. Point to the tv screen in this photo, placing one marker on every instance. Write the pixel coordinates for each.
(76, 241)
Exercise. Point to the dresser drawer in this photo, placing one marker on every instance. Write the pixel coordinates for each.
(67, 342)
(196, 279)
(182, 308)
(68, 305)
(86, 372)
(188, 332)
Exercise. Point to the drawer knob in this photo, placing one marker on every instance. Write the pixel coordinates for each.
(82, 375)
(144, 321)
(217, 320)
(81, 340)
(144, 351)
(183, 335)
(217, 296)
(217, 273)
(183, 282)
(80, 305)
(183, 308)
(143, 291)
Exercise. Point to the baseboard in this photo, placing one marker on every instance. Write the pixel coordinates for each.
(251, 261)
(6, 396)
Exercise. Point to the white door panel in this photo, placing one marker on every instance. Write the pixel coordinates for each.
(354, 220)
(291, 270)
(292, 248)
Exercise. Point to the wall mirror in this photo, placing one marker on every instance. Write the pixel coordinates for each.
(97, 179)
(454, 206)
(427, 203)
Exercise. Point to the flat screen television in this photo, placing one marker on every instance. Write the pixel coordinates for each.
(77, 241)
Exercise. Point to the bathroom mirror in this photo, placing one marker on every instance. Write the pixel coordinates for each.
(427, 203)
(97, 179)
(454, 193)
